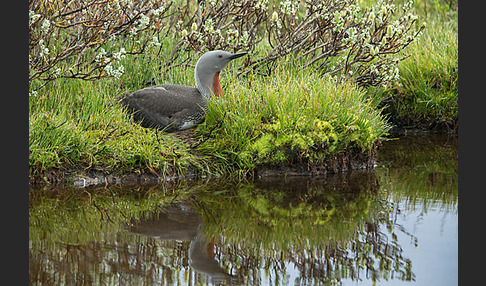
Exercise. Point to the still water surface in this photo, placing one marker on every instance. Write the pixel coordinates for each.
(394, 225)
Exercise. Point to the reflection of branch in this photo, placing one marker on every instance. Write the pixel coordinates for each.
(102, 211)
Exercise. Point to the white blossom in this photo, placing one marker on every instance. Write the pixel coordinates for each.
(119, 55)
(261, 4)
(245, 38)
(288, 7)
(43, 50)
(183, 33)
(45, 25)
(374, 51)
(101, 54)
(143, 22)
(371, 16)
(274, 17)
(154, 42)
(114, 72)
(159, 11)
(57, 72)
(209, 26)
(373, 69)
(33, 16)
(127, 2)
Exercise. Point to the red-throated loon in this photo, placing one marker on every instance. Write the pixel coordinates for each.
(173, 107)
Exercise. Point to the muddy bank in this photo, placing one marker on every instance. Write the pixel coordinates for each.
(337, 164)
(80, 177)
(402, 127)
(102, 176)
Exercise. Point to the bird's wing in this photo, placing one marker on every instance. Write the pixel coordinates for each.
(162, 105)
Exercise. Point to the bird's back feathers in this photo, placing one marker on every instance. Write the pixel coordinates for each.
(166, 106)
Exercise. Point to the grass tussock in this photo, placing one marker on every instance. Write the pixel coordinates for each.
(290, 117)
(427, 93)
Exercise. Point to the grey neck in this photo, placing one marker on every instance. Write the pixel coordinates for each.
(204, 83)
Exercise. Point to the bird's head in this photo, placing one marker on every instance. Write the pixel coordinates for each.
(214, 61)
(208, 68)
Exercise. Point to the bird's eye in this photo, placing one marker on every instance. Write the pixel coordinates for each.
(220, 56)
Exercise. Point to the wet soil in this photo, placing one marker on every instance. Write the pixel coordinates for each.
(350, 160)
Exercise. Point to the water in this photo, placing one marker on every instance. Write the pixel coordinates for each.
(394, 225)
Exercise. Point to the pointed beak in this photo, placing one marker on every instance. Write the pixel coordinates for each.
(235, 56)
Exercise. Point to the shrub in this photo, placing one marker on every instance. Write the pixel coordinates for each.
(87, 39)
(334, 37)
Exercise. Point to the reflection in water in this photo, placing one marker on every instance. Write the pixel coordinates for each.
(321, 231)
(180, 222)
(394, 225)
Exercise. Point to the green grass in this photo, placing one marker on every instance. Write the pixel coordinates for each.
(290, 117)
(75, 125)
(428, 93)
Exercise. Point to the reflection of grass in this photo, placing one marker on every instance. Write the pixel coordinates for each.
(328, 230)
(267, 222)
(78, 236)
(75, 217)
(422, 173)
(258, 218)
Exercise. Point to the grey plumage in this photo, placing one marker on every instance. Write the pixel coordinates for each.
(171, 107)
(168, 107)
